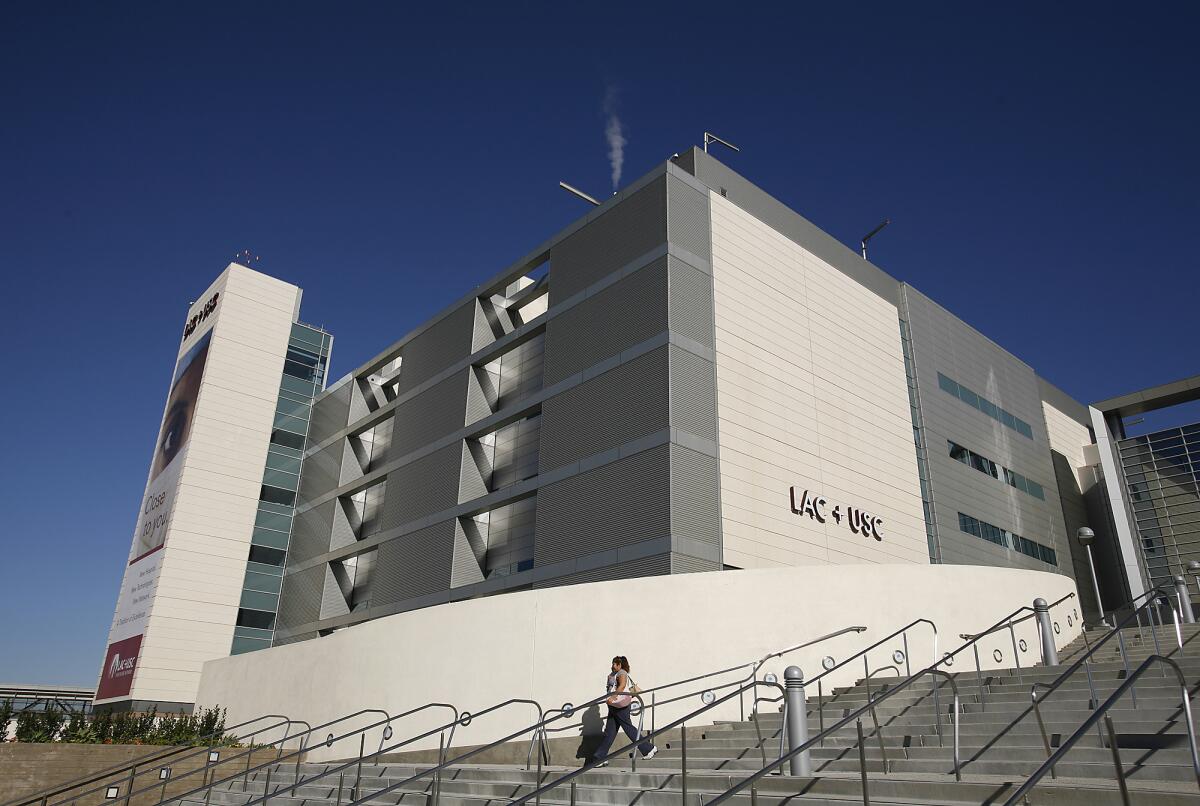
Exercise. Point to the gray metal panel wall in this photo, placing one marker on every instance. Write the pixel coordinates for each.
(322, 471)
(414, 564)
(616, 407)
(944, 343)
(693, 394)
(300, 602)
(691, 306)
(310, 533)
(645, 567)
(434, 413)
(329, 413)
(420, 488)
(615, 505)
(612, 320)
(688, 218)
(630, 229)
(435, 349)
(695, 507)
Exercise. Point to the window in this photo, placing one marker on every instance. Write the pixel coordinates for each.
(267, 555)
(984, 405)
(288, 439)
(255, 618)
(1003, 537)
(947, 385)
(275, 495)
(959, 453)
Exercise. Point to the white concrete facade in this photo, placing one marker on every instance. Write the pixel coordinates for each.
(554, 645)
(811, 394)
(193, 607)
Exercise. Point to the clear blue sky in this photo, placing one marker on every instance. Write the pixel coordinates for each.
(1039, 165)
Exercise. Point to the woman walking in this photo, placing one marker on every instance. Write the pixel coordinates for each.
(619, 701)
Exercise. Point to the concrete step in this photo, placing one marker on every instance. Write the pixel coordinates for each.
(612, 787)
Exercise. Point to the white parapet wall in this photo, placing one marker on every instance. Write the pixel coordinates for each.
(554, 645)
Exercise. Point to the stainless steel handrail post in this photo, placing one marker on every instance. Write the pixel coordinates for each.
(683, 763)
(1125, 663)
(820, 708)
(1037, 711)
(1096, 717)
(907, 662)
(1012, 633)
(979, 678)
(358, 773)
(267, 788)
(296, 779)
(1116, 754)
(341, 783)
(862, 763)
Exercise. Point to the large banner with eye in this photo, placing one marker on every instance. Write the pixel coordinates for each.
(154, 519)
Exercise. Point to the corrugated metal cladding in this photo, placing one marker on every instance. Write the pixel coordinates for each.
(329, 415)
(695, 505)
(688, 218)
(300, 602)
(310, 533)
(359, 407)
(618, 406)
(615, 505)
(439, 346)
(631, 228)
(414, 565)
(342, 533)
(682, 564)
(471, 484)
(470, 548)
(693, 394)
(481, 332)
(620, 316)
(431, 415)
(422, 487)
(645, 567)
(333, 601)
(691, 309)
(322, 471)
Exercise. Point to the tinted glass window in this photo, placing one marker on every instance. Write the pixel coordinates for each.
(288, 439)
(255, 618)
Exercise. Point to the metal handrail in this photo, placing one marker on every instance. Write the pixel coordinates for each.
(540, 729)
(463, 719)
(1082, 662)
(196, 751)
(856, 716)
(873, 701)
(118, 768)
(1094, 719)
(681, 722)
(298, 753)
(1009, 623)
(903, 632)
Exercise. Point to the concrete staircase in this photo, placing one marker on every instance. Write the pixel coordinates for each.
(912, 767)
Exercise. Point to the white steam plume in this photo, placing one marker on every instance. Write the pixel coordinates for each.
(612, 133)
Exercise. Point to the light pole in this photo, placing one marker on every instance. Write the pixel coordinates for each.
(1086, 537)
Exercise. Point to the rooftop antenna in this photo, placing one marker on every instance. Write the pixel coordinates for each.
(709, 137)
(872, 234)
(578, 193)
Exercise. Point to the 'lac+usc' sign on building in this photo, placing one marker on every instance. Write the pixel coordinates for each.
(817, 508)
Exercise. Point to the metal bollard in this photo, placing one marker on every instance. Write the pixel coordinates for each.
(1049, 653)
(797, 721)
(1185, 600)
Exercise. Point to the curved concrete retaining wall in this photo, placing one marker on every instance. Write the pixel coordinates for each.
(554, 645)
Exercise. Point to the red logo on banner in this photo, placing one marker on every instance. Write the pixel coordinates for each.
(119, 663)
